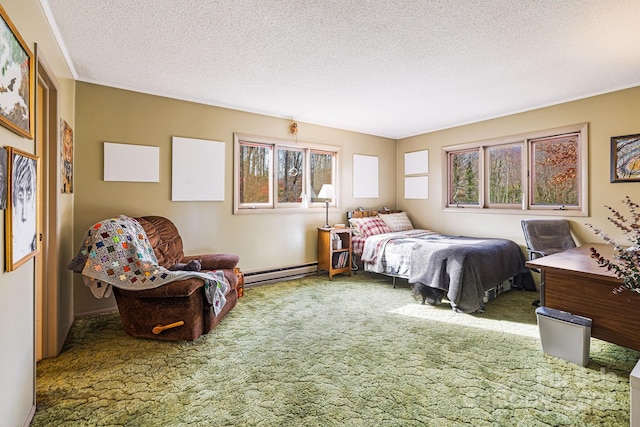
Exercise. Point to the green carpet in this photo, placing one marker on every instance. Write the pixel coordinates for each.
(351, 352)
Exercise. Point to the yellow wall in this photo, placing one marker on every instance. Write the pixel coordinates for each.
(608, 115)
(17, 368)
(262, 241)
(113, 115)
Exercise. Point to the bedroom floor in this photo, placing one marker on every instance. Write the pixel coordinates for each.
(353, 351)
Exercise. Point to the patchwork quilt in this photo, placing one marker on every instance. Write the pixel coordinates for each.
(116, 252)
(390, 253)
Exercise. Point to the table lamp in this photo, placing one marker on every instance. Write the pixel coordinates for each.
(327, 192)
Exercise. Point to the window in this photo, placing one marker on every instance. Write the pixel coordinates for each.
(545, 171)
(290, 172)
(273, 174)
(322, 166)
(465, 177)
(255, 183)
(554, 166)
(505, 174)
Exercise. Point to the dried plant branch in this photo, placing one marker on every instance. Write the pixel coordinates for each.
(626, 259)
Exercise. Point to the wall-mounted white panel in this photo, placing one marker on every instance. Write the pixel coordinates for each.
(365, 176)
(197, 170)
(416, 162)
(134, 163)
(416, 187)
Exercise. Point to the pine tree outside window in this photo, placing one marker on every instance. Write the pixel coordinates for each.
(543, 171)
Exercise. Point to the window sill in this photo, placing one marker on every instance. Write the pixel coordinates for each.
(277, 211)
(542, 212)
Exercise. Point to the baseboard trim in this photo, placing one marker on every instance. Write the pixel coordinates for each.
(279, 274)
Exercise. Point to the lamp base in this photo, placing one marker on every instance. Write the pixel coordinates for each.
(326, 206)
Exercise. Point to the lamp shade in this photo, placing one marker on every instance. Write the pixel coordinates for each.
(327, 192)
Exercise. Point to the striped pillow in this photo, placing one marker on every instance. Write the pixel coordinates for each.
(397, 221)
(369, 226)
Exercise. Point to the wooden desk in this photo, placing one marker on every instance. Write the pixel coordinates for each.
(572, 281)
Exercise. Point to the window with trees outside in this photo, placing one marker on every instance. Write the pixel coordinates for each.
(273, 174)
(543, 171)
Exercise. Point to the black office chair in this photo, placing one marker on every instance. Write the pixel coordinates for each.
(546, 237)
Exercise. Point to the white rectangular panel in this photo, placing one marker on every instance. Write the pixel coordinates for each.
(365, 176)
(134, 163)
(416, 187)
(416, 162)
(197, 170)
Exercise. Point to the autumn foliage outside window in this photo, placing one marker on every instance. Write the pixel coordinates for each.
(272, 175)
(555, 170)
(525, 172)
(255, 176)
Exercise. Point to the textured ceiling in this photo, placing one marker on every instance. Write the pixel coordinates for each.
(382, 67)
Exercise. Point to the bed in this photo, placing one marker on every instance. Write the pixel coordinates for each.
(467, 270)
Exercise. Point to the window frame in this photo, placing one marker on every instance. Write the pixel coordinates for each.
(536, 206)
(258, 205)
(322, 150)
(276, 178)
(527, 206)
(523, 176)
(452, 201)
(274, 205)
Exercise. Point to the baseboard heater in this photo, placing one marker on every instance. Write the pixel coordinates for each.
(278, 274)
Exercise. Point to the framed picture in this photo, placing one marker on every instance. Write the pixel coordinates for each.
(21, 226)
(66, 158)
(16, 80)
(4, 178)
(625, 158)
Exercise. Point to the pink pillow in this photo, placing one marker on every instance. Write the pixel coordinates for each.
(370, 226)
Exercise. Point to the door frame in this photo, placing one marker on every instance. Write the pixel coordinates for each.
(46, 264)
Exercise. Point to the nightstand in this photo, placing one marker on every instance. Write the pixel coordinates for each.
(334, 250)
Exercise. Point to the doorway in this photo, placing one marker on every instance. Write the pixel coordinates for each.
(46, 270)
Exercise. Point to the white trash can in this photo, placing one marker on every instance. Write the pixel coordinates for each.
(564, 335)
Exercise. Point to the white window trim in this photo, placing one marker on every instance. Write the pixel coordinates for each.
(306, 206)
(583, 158)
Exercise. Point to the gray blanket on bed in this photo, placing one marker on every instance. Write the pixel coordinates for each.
(465, 267)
